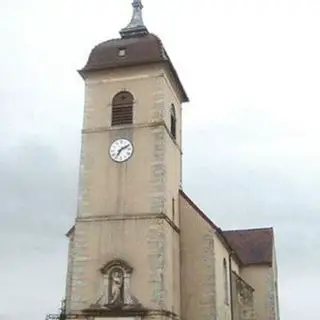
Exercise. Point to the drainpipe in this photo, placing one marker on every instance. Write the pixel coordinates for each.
(230, 285)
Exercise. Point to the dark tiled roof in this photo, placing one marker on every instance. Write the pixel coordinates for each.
(253, 246)
(139, 51)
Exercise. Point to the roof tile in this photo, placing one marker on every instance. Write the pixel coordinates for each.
(137, 51)
(253, 246)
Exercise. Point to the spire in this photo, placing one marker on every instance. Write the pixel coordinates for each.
(136, 26)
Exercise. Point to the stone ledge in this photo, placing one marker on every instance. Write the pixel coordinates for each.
(141, 216)
(132, 126)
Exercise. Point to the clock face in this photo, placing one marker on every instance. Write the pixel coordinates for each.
(121, 150)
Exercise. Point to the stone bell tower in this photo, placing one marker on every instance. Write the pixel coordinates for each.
(124, 247)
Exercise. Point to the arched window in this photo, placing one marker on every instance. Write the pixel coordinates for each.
(225, 282)
(173, 122)
(122, 108)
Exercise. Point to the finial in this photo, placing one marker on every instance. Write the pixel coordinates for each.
(136, 26)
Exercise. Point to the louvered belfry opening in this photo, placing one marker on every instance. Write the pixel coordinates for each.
(173, 122)
(122, 108)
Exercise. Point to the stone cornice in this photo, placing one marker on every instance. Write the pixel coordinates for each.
(123, 217)
(132, 126)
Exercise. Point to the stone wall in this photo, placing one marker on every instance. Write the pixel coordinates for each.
(197, 261)
(242, 299)
(148, 244)
(262, 279)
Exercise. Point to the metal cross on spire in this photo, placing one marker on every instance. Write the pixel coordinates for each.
(136, 26)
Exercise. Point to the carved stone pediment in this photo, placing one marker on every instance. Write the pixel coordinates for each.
(115, 292)
(245, 293)
(116, 263)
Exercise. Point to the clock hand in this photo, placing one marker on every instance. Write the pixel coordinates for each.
(123, 148)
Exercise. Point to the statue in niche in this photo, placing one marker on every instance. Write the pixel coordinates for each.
(115, 292)
(116, 280)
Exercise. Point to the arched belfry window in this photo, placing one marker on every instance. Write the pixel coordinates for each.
(122, 108)
(225, 282)
(173, 122)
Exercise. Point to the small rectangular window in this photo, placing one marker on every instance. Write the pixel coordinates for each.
(122, 52)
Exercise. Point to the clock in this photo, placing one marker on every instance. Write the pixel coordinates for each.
(121, 150)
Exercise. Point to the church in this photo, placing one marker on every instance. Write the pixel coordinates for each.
(140, 248)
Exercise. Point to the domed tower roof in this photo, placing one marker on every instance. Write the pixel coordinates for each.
(136, 47)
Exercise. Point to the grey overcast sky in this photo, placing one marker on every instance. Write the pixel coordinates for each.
(252, 71)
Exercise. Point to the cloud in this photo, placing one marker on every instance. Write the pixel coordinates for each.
(37, 207)
(251, 71)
